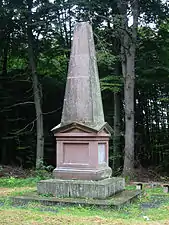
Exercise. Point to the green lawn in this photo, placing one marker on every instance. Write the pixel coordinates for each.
(33, 213)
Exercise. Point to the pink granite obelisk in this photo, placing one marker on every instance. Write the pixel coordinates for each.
(82, 136)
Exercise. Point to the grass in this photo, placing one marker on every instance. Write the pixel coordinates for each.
(33, 216)
(37, 214)
(13, 182)
(13, 216)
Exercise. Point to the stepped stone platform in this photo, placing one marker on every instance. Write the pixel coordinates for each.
(115, 201)
(82, 188)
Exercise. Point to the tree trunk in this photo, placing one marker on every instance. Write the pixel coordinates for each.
(5, 59)
(128, 47)
(6, 43)
(116, 138)
(129, 117)
(36, 91)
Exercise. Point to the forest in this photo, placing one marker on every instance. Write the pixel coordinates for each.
(132, 46)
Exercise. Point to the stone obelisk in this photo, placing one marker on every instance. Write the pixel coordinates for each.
(82, 137)
(83, 109)
(82, 102)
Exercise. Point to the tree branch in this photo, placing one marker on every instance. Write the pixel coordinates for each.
(19, 131)
(17, 104)
(52, 111)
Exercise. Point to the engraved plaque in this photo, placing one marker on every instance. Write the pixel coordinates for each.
(101, 153)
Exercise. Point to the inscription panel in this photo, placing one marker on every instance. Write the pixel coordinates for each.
(76, 153)
(101, 153)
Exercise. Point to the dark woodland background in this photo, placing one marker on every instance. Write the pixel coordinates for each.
(52, 26)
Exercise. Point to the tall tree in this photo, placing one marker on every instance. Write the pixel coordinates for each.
(36, 89)
(128, 53)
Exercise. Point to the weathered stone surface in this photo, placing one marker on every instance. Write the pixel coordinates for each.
(82, 101)
(83, 174)
(82, 136)
(81, 188)
(116, 201)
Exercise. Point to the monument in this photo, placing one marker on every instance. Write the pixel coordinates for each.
(82, 137)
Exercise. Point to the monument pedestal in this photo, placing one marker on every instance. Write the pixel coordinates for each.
(81, 188)
(82, 152)
(82, 164)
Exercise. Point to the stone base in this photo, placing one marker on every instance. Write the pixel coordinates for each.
(81, 188)
(82, 174)
(115, 201)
